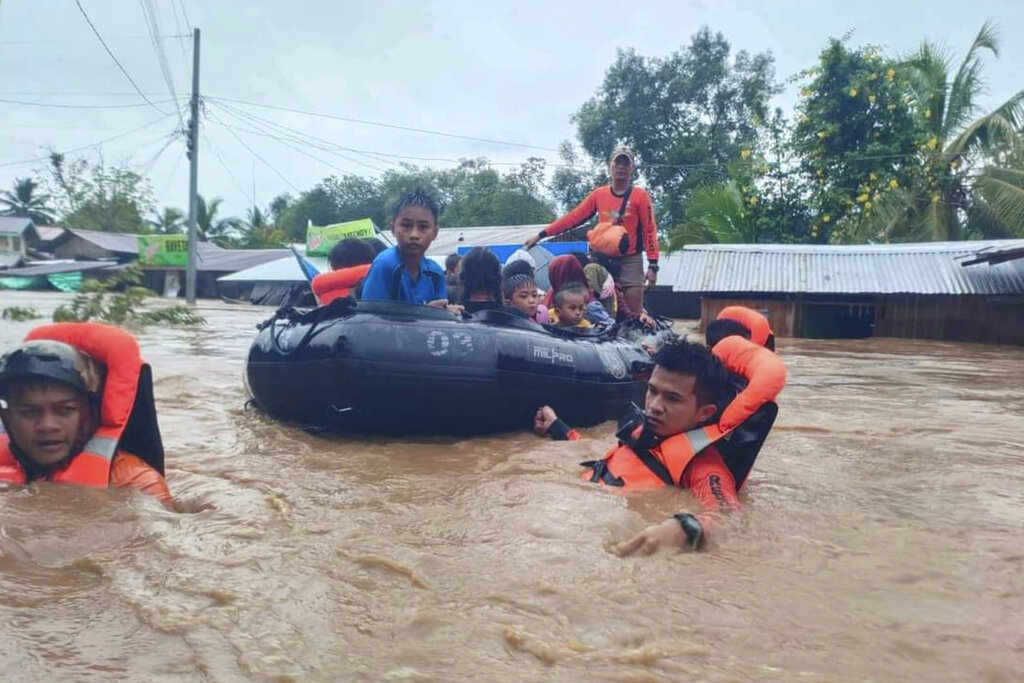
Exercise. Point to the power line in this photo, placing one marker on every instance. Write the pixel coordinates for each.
(64, 105)
(238, 114)
(116, 61)
(149, 14)
(217, 153)
(265, 162)
(380, 124)
(98, 143)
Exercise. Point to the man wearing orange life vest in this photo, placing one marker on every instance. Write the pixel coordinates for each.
(676, 441)
(76, 405)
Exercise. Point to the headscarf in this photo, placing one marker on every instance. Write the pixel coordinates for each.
(600, 282)
(561, 271)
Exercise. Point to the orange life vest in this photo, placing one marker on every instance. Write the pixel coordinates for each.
(338, 283)
(664, 463)
(119, 351)
(760, 328)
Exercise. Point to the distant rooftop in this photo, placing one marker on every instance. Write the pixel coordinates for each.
(916, 268)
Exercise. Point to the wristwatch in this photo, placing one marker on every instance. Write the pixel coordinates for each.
(692, 528)
(653, 266)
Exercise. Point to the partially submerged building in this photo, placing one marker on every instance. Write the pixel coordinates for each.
(933, 290)
(15, 235)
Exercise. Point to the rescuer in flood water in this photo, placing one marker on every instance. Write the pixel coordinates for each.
(76, 403)
(677, 440)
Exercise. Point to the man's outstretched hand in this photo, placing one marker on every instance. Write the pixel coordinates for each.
(543, 419)
(531, 243)
(667, 534)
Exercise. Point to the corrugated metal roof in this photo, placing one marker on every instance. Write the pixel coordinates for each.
(284, 269)
(922, 268)
(997, 254)
(219, 260)
(14, 225)
(43, 269)
(449, 240)
(118, 242)
(48, 233)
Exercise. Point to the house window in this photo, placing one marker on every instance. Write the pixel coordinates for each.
(5, 243)
(16, 244)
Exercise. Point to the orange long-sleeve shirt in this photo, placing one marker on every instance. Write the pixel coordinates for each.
(638, 219)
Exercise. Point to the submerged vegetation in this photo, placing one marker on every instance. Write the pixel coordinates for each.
(121, 301)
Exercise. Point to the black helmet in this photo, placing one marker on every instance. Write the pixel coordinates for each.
(52, 360)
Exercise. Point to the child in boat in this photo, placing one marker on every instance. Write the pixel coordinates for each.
(523, 267)
(480, 280)
(520, 292)
(570, 303)
(350, 261)
(403, 273)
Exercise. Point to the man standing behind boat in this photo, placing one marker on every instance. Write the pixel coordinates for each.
(625, 228)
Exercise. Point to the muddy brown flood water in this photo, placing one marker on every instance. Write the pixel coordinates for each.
(881, 539)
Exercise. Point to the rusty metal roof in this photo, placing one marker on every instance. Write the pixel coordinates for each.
(920, 268)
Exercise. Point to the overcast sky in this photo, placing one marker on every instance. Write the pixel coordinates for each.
(513, 72)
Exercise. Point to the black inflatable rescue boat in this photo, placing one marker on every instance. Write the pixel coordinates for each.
(388, 367)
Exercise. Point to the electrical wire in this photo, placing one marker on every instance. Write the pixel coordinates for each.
(113, 57)
(152, 20)
(381, 124)
(220, 158)
(64, 105)
(98, 143)
(264, 161)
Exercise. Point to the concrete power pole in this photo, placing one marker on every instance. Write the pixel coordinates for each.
(193, 178)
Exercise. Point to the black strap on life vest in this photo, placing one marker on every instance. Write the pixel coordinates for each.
(599, 473)
(624, 206)
(654, 465)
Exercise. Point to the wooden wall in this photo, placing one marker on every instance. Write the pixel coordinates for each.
(784, 316)
(988, 319)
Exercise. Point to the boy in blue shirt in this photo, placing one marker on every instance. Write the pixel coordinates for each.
(403, 273)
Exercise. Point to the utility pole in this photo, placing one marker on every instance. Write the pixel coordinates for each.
(193, 176)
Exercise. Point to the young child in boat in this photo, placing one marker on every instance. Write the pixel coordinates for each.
(520, 292)
(403, 273)
(480, 281)
(570, 303)
(523, 269)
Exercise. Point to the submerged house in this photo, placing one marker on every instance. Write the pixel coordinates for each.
(933, 290)
(15, 235)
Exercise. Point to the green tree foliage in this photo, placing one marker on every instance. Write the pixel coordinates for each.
(25, 201)
(687, 115)
(257, 231)
(170, 221)
(210, 227)
(93, 196)
(121, 301)
(473, 193)
(857, 137)
(971, 180)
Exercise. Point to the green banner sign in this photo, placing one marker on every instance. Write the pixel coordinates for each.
(320, 240)
(163, 251)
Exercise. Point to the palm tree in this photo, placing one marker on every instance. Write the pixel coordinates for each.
(24, 202)
(715, 213)
(170, 222)
(968, 187)
(258, 232)
(220, 231)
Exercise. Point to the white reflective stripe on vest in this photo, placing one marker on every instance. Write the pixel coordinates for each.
(103, 446)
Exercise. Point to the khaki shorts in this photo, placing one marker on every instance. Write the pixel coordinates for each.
(631, 271)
